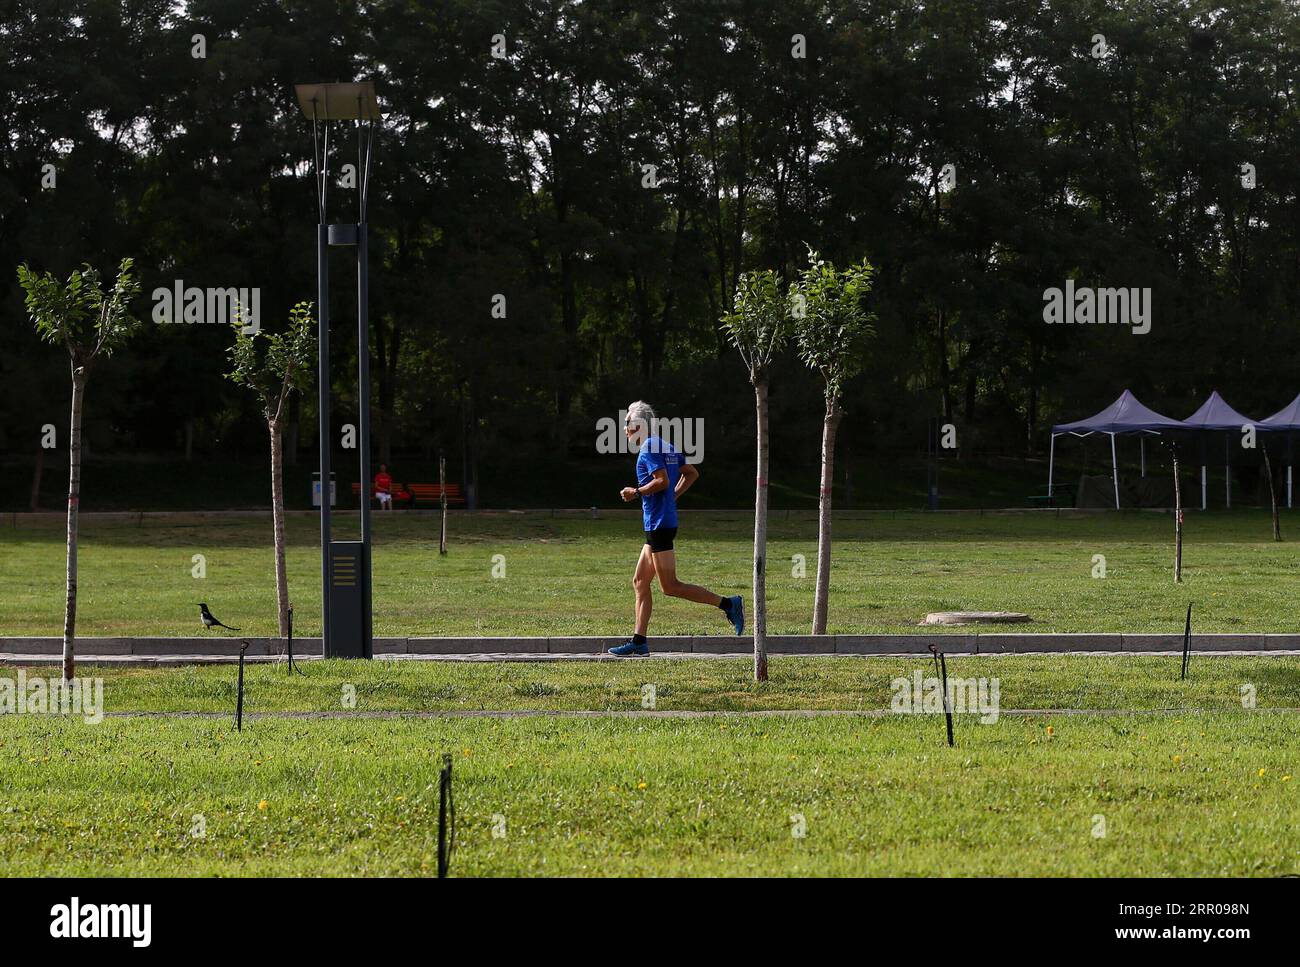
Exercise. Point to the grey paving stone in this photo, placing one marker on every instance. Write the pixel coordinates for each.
(600, 644)
(724, 645)
(1174, 642)
(214, 645)
(31, 646)
(1280, 642)
(903, 644)
(801, 645)
(459, 646)
(1011, 643)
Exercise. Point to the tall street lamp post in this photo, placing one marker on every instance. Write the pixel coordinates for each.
(346, 625)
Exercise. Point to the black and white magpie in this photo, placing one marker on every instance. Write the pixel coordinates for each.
(209, 621)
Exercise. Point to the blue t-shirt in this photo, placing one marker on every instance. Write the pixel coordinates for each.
(658, 509)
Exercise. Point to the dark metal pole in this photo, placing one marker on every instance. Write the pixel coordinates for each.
(444, 797)
(292, 669)
(363, 380)
(323, 380)
(239, 698)
(947, 709)
(941, 668)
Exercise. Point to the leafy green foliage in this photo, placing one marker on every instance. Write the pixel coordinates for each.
(79, 313)
(829, 320)
(285, 364)
(759, 325)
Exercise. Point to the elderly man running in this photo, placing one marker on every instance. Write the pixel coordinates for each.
(662, 476)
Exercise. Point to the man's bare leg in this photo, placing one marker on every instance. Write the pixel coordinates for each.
(665, 566)
(641, 579)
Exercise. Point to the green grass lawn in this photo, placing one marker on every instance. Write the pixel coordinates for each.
(1185, 781)
(1209, 794)
(572, 575)
(1134, 682)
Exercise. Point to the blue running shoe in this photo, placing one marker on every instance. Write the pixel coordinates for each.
(736, 612)
(629, 649)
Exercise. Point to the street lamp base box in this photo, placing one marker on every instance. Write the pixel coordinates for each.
(349, 590)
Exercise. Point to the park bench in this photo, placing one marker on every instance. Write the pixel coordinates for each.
(432, 494)
(1062, 496)
(418, 493)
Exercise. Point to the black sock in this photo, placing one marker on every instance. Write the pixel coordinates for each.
(725, 605)
(638, 639)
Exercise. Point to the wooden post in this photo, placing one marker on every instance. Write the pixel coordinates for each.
(1272, 496)
(442, 488)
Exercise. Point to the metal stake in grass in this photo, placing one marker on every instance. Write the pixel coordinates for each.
(446, 818)
(442, 490)
(239, 694)
(290, 646)
(941, 669)
(1187, 641)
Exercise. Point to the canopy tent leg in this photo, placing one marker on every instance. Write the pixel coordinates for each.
(1051, 464)
(1288, 486)
(1142, 449)
(1227, 470)
(1114, 469)
(1204, 488)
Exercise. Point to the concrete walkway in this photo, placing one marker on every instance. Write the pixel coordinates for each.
(136, 661)
(224, 648)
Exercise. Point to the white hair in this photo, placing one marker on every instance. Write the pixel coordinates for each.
(641, 413)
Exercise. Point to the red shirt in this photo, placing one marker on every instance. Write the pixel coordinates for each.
(383, 483)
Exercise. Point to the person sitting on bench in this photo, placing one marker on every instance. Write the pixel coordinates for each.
(384, 488)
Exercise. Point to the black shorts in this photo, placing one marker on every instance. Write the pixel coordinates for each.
(660, 539)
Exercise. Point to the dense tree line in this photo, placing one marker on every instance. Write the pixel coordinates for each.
(610, 167)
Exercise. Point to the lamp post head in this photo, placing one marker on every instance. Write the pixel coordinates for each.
(351, 101)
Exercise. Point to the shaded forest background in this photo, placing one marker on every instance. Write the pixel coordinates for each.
(523, 176)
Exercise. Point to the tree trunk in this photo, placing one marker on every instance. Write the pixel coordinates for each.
(74, 501)
(277, 517)
(760, 535)
(829, 427)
